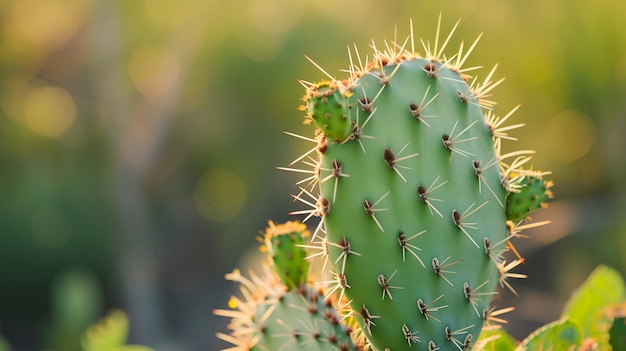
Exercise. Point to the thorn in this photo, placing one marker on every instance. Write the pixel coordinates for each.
(458, 220)
(417, 110)
(426, 310)
(410, 336)
(384, 284)
(438, 268)
(321, 69)
(391, 160)
(371, 209)
(424, 195)
(404, 244)
(450, 140)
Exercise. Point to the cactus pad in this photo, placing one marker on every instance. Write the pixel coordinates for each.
(284, 244)
(530, 195)
(412, 199)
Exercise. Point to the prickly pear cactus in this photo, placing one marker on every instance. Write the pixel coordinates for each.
(284, 244)
(276, 313)
(411, 187)
(531, 194)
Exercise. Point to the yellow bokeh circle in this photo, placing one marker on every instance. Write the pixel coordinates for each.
(219, 195)
(49, 111)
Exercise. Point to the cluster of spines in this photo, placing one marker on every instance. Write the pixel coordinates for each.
(478, 94)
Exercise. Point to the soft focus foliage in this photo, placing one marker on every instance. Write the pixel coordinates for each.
(140, 140)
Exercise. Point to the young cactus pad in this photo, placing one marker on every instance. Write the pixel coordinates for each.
(281, 309)
(412, 197)
(284, 243)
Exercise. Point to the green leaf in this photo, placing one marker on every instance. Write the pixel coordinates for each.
(559, 335)
(604, 287)
(495, 340)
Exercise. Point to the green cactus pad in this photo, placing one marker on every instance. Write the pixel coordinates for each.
(269, 317)
(284, 244)
(530, 194)
(329, 110)
(414, 212)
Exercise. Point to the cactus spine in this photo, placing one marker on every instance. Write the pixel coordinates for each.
(417, 202)
(281, 309)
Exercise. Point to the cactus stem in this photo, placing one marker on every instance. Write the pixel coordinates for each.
(424, 195)
(391, 159)
(368, 319)
(438, 268)
(384, 284)
(410, 336)
(417, 111)
(426, 310)
(345, 247)
(371, 210)
(471, 295)
(451, 335)
(404, 244)
(449, 140)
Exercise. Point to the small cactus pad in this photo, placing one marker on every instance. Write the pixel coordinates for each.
(412, 200)
(269, 317)
(284, 244)
(329, 110)
(531, 193)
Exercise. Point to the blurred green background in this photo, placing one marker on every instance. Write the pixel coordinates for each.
(139, 140)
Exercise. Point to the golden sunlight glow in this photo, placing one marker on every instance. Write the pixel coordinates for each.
(49, 22)
(49, 111)
(570, 135)
(219, 195)
(154, 72)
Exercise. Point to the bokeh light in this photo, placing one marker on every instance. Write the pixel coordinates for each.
(49, 111)
(219, 195)
(570, 135)
(153, 72)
